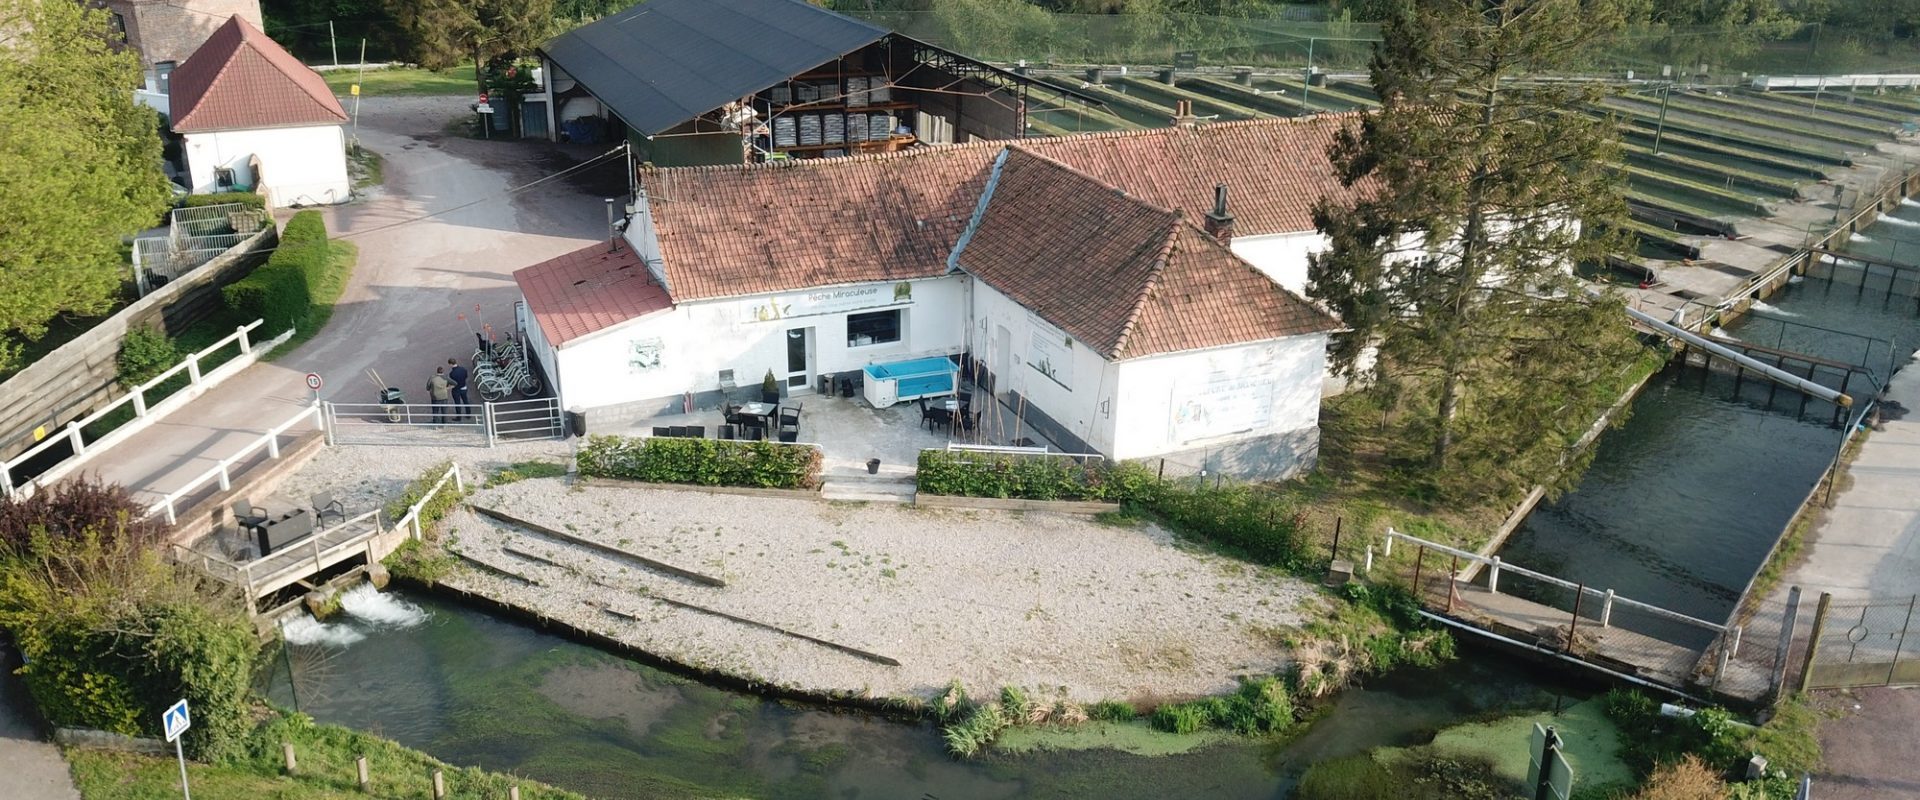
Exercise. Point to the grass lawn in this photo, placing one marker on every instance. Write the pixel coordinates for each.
(325, 754)
(405, 81)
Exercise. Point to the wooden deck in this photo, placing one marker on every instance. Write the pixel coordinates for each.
(298, 563)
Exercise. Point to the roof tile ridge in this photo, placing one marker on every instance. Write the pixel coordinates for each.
(1078, 173)
(830, 163)
(1147, 287)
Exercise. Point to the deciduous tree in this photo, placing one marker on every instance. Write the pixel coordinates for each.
(79, 165)
(444, 33)
(1480, 191)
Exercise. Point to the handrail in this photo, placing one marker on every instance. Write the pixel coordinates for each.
(223, 470)
(411, 519)
(244, 571)
(137, 397)
(1501, 566)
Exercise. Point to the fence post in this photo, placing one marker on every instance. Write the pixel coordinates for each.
(459, 485)
(1779, 677)
(439, 786)
(1894, 668)
(78, 442)
(1573, 624)
(1368, 569)
(226, 481)
(245, 346)
(139, 401)
(327, 421)
(316, 554)
(1419, 560)
(487, 422)
(1453, 583)
(6, 478)
(1493, 576)
(170, 519)
(273, 445)
(193, 369)
(1386, 550)
(286, 753)
(1606, 609)
(360, 767)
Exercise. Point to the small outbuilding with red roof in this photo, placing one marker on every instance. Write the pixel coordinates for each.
(253, 118)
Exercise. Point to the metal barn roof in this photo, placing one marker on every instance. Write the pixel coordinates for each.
(663, 62)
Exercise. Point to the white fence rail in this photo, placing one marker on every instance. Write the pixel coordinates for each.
(411, 520)
(442, 424)
(222, 472)
(74, 435)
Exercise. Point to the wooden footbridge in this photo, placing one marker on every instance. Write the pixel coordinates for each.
(1602, 631)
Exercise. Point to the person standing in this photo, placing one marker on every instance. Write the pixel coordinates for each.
(458, 376)
(441, 390)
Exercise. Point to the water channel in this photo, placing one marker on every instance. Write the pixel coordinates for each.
(1683, 503)
(475, 689)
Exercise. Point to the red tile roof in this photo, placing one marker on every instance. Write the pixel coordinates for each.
(1121, 275)
(734, 230)
(588, 290)
(241, 79)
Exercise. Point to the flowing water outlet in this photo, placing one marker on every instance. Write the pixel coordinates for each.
(367, 607)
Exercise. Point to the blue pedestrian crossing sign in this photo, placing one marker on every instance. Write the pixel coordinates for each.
(175, 720)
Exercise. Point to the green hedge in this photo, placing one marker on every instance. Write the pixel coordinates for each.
(223, 198)
(1258, 524)
(706, 462)
(281, 291)
(964, 473)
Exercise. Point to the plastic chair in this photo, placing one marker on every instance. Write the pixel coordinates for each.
(659, 431)
(248, 515)
(697, 431)
(325, 505)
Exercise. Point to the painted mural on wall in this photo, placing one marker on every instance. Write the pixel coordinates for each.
(645, 354)
(829, 301)
(1050, 351)
(1236, 395)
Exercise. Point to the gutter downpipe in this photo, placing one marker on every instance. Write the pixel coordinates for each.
(1745, 361)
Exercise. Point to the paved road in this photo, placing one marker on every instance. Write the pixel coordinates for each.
(30, 768)
(398, 314)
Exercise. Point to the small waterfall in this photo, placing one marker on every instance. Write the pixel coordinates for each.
(1723, 335)
(303, 629)
(368, 604)
(1901, 221)
(1765, 308)
(1798, 278)
(1860, 237)
(1909, 202)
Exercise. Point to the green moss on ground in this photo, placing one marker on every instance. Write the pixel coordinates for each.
(1138, 738)
(1592, 743)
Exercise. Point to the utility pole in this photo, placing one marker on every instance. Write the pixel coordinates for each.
(1306, 86)
(357, 80)
(334, 42)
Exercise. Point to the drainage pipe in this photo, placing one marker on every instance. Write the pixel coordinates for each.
(1745, 361)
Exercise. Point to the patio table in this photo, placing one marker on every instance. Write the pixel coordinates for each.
(764, 411)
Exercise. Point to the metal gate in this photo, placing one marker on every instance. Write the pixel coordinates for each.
(1863, 643)
(481, 424)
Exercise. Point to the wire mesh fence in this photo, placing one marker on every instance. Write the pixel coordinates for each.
(1865, 643)
(194, 237)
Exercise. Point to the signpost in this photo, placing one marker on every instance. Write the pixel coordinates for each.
(176, 721)
(1186, 59)
(313, 382)
(1548, 774)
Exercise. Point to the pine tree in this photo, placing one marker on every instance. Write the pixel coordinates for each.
(1479, 190)
(79, 166)
(444, 33)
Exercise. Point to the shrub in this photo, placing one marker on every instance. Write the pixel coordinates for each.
(976, 474)
(281, 291)
(1112, 711)
(1183, 717)
(1686, 779)
(1253, 522)
(77, 504)
(435, 509)
(973, 733)
(144, 353)
(223, 198)
(705, 462)
(1261, 706)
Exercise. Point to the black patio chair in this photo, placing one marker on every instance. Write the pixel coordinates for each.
(756, 433)
(697, 431)
(326, 505)
(937, 417)
(677, 431)
(725, 433)
(790, 417)
(967, 421)
(659, 431)
(248, 515)
(790, 436)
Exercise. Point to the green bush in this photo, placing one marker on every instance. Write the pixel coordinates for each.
(144, 353)
(223, 198)
(975, 731)
(1260, 706)
(705, 462)
(1183, 717)
(1112, 711)
(1253, 522)
(435, 509)
(282, 290)
(977, 474)
(1355, 777)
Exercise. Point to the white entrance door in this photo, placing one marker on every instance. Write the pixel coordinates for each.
(799, 360)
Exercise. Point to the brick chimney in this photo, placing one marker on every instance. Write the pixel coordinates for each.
(1219, 223)
(1183, 116)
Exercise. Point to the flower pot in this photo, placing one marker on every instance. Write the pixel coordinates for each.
(873, 466)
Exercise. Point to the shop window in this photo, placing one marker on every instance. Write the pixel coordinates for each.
(873, 327)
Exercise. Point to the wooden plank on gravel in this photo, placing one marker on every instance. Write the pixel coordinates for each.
(854, 651)
(1013, 504)
(658, 566)
(489, 568)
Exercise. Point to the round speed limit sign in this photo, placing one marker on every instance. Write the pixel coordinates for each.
(313, 381)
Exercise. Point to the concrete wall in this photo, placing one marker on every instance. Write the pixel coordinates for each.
(170, 30)
(78, 376)
(1079, 394)
(1261, 400)
(698, 339)
(1282, 257)
(304, 166)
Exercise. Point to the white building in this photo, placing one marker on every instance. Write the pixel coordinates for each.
(253, 118)
(1070, 277)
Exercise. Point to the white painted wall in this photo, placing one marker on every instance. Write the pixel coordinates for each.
(1281, 256)
(305, 166)
(1083, 404)
(1203, 398)
(698, 339)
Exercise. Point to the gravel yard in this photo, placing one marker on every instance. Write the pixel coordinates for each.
(1061, 605)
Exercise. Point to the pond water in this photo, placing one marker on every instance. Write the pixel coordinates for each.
(1683, 503)
(475, 689)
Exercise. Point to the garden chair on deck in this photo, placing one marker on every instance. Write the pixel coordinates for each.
(326, 505)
